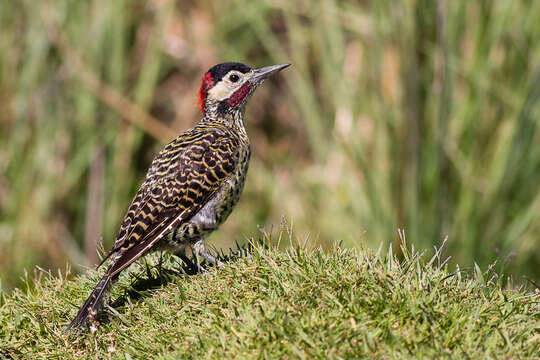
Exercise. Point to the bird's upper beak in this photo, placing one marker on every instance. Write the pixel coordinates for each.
(259, 75)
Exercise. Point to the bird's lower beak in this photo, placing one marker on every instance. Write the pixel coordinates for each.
(262, 73)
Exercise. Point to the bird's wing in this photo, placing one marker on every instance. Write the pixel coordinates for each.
(181, 179)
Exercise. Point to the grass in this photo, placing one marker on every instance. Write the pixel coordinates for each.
(421, 115)
(293, 303)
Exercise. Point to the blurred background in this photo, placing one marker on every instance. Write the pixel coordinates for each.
(420, 115)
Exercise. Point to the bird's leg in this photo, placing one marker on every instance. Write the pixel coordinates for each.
(199, 249)
(181, 253)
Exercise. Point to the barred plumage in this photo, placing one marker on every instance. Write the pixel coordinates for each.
(192, 184)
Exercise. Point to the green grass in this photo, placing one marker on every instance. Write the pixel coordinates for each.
(296, 303)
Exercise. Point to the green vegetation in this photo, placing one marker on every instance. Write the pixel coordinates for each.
(420, 115)
(274, 304)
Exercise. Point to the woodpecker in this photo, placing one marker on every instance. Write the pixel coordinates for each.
(192, 184)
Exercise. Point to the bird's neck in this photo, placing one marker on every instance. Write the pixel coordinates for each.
(218, 111)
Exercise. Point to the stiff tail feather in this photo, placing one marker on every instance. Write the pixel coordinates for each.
(91, 306)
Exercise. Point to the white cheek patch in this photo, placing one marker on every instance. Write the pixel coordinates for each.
(220, 92)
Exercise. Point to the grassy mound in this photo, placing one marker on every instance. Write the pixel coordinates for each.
(281, 304)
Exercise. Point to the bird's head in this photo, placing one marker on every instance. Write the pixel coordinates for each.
(229, 85)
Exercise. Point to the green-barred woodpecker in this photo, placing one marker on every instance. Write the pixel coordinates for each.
(192, 185)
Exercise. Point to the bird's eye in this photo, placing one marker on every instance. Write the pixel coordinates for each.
(234, 78)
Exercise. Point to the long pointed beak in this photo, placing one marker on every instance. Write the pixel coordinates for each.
(262, 73)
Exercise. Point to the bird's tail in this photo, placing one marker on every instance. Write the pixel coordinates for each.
(91, 306)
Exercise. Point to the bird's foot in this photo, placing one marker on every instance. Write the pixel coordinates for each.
(199, 250)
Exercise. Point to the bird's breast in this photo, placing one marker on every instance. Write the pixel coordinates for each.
(229, 194)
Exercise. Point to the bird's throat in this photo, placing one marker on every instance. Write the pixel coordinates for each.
(223, 112)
